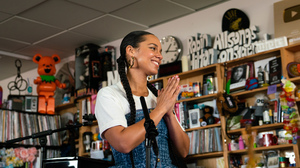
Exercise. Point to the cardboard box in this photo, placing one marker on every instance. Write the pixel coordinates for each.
(287, 18)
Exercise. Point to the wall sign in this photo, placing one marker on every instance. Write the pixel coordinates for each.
(226, 46)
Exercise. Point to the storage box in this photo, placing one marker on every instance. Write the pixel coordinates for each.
(287, 18)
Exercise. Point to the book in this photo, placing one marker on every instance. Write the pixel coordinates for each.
(275, 71)
(1, 125)
(93, 103)
(262, 70)
(228, 80)
(251, 69)
(239, 74)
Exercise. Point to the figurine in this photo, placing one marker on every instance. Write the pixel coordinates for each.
(46, 82)
(287, 101)
(259, 107)
(84, 78)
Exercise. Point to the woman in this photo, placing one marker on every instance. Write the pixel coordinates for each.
(119, 111)
(239, 74)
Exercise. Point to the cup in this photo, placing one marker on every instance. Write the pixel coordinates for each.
(269, 140)
(97, 145)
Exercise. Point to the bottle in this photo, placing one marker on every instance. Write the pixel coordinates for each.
(266, 117)
(271, 116)
(210, 85)
(260, 120)
(233, 145)
(260, 77)
(241, 143)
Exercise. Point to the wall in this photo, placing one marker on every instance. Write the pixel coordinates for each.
(32, 74)
(207, 21)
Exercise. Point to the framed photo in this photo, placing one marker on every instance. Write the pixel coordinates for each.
(239, 74)
(194, 115)
(273, 161)
(96, 66)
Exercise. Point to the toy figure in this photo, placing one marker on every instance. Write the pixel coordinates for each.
(287, 101)
(260, 106)
(84, 77)
(46, 82)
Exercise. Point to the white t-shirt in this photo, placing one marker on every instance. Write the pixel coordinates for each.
(112, 106)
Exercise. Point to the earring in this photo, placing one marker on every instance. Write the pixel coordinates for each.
(149, 77)
(131, 62)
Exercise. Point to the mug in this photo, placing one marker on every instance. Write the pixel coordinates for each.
(97, 145)
(269, 139)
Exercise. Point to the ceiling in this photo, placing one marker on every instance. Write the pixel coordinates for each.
(59, 26)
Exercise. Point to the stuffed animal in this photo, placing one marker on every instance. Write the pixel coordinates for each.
(227, 103)
(207, 115)
(46, 82)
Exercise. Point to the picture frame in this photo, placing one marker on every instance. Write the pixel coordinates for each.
(239, 75)
(194, 116)
(272, 161)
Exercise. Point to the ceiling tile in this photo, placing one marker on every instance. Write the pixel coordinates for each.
(108, 28)
(17, 6)
(24, 30)
(4, 16)
(152, 12)
(68, 41)
(197, 4)
(62, 14)
(11, 46)
(110, 5)
(34, 49)
(9, 63)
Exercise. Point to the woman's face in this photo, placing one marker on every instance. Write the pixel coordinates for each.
(148, 55)
(238, 73)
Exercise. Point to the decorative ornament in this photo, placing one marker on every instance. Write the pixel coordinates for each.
(290, 115)
(234, 20)
(46, 82)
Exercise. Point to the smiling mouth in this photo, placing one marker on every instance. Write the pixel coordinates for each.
(47, 70)
(156, 63)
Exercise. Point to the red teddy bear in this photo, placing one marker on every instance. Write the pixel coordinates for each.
(46, 82)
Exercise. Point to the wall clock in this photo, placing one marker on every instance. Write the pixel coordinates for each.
(171, 49)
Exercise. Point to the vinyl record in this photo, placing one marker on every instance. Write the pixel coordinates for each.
(292, 69)
(234, 20)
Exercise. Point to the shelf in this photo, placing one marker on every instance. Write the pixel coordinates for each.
(262, 128)
(199, 99)
(254, 57)
(198, 128)
(64, 106)
(295, 80)
(190, 73)
(259, 149)
(204, 155)
(293, 47)
(250, 93)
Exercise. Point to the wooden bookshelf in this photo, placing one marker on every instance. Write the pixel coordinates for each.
(290, 53)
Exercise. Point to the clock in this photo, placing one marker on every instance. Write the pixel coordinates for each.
(171, 49)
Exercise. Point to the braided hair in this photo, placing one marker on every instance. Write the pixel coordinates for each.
(134, 39)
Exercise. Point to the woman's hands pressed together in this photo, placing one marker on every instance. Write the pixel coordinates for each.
(167, 96)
